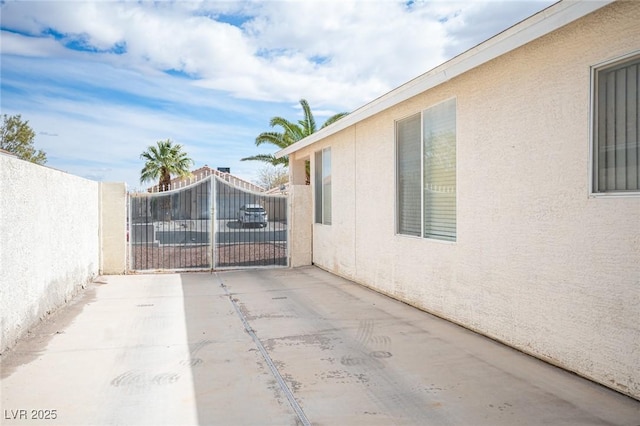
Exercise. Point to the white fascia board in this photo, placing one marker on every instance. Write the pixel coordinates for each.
(532, 28)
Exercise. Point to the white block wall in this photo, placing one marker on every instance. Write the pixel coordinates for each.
(49, 242)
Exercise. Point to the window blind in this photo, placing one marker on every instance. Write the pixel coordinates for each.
(439, 171)
(318, 186)
(322, 184)
(408, 180)
(326, 186)
(617, 146)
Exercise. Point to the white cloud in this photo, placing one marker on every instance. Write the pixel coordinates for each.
(468, 23)
(285, 50)
(94, 72)
(365, 47)
(16, 44)
(368, 46)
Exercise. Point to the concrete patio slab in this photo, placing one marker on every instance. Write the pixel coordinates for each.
(282, 347)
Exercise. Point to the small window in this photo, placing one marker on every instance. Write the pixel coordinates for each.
(322, 180)
(616, 147)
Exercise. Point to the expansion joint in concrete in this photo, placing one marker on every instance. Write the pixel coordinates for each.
(274, 370)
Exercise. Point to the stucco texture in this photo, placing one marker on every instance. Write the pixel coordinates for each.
(300, 225)
(49, 242)
(538, 263)
(113, 220)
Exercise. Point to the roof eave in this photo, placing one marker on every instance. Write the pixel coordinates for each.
(544, 22)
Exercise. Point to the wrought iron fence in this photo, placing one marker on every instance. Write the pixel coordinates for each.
(251, 228)
(206, 225)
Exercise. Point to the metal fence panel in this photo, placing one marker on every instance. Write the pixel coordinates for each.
(171, 230)
(209, 224)
(251, 228)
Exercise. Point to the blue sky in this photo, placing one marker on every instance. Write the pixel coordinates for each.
(100, 81)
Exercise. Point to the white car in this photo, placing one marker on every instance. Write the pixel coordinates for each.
(253, 213)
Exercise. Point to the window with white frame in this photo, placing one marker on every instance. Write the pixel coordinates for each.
(616, 146)
(426, 173)
(322, 180)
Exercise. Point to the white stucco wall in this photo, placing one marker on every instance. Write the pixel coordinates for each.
(538, 263)
(49, 244)
(300, 231)
(113, 232)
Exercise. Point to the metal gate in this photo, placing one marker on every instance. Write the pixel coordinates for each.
(251, 228)
(210, 224)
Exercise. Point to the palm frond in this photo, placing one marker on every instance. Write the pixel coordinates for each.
(334, 118)
(273, 138)
(267, 158)
(162, 160)
(291, 133)
(292, 130)
(308, 123)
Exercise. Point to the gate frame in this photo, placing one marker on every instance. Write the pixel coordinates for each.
(213, 229)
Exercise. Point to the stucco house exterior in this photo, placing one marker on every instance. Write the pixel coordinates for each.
(500, 190)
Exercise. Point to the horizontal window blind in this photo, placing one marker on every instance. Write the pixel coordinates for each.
(439, 171)
(408, 169)
(326, 186)
(317, 178)
(617, 146)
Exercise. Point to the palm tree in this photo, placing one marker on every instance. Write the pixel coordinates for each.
(163, 160)
(292, 133)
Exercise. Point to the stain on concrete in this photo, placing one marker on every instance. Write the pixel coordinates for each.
(317, 339)
(294, 385)
(142, 379)
(348, 360)
(343, 377)
(265, 315)
(165, 379)
(194, 348)
(193, 362)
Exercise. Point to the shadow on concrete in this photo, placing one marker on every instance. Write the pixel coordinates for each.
(231, 385)
(200, 308)
(33, 344)
(354, 356)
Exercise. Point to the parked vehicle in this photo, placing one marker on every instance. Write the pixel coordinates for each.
(252, 214)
